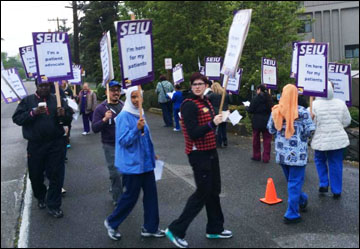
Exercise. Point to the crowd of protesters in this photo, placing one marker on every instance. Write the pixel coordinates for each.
(130, 154)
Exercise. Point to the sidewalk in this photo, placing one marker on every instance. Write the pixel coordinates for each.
(328, 222)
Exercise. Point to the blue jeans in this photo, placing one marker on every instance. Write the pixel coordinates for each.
(176, 118)
(334, 159)
(86, 121)
(133, 184)
(167, 113)
(295, 177)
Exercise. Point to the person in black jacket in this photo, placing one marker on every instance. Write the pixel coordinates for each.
(260, 108)
(215, 99)
(42, 125)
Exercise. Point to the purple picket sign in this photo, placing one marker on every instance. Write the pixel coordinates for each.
(77, 75)
(269, 68)
(178, 74)
(136, 52)
(53, 56)
(235, 83)
(12, 76)
(312, 76)
(340, 75)
(213, 67)
(28, 60)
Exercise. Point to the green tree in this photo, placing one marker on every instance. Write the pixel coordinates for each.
(91, 32)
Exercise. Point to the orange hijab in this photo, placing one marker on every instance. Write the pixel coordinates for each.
(286, 109)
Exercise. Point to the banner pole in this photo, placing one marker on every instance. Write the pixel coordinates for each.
(57, 93)
(139, 86)
(312, 97)
(226, 78)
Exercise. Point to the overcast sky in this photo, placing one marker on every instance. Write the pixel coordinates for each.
(20, 18)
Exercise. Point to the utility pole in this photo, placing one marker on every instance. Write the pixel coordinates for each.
(74, 7)
(57, 20)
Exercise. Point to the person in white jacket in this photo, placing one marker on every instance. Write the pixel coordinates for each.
(329, 141)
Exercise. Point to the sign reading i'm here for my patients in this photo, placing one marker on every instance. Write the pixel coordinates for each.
(340, 76)
(106, 58)
(311, 77)
(11, 77)
(268, 73)
(28, 59)
(213, 67)
(237, 36)
(135, 51)
(52, 54)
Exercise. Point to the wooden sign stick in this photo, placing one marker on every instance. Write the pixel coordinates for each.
(311, 97)
(139, 86)
(224, 94)
(57, 93)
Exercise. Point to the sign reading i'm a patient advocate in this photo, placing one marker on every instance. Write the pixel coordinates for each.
(52, 54)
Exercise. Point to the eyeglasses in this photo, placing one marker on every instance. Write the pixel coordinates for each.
(198, 84)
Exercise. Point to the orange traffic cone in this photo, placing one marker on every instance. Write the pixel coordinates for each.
(270, 194)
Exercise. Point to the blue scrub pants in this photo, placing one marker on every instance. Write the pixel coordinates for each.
(330, 164)
(295, 177)
(133, 184)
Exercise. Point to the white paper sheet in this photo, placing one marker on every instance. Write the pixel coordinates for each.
(246, 103)
(159, 166)
(235, 117)
(170, 94)
(225, 115)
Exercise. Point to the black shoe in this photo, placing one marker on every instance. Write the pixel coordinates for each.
(323, 190)
(225, 144)
(337, 196)
(56, 212)
(303, 206)
(291, 221)
(41, 204)
(254, 159)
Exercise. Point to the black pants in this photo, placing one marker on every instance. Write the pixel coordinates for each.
(221, 137)
(167, 111)
(48, 158)
(208, 187)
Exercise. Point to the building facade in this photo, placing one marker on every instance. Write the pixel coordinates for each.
(335, 22)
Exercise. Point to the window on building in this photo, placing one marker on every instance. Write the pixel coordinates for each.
(351, 51)
(305, 26)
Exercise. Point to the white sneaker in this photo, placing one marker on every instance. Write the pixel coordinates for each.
(84, 133)
(113, 234)
(181, 243)
(176, 129)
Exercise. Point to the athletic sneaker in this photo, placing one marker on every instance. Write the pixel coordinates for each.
(226, 234)
(41, 204)
(181, 243)
(158, 234)
(56, 212)
(113, 234)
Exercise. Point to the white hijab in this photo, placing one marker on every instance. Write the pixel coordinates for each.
(129, 107)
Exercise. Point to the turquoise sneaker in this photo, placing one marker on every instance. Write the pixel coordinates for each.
(181, 243)
(226, 234)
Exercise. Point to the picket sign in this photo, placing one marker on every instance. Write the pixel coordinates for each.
(237, 36)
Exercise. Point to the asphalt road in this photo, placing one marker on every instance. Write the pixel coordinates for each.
(328, 222)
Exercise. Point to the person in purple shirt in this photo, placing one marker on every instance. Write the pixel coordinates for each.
(103, 121)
